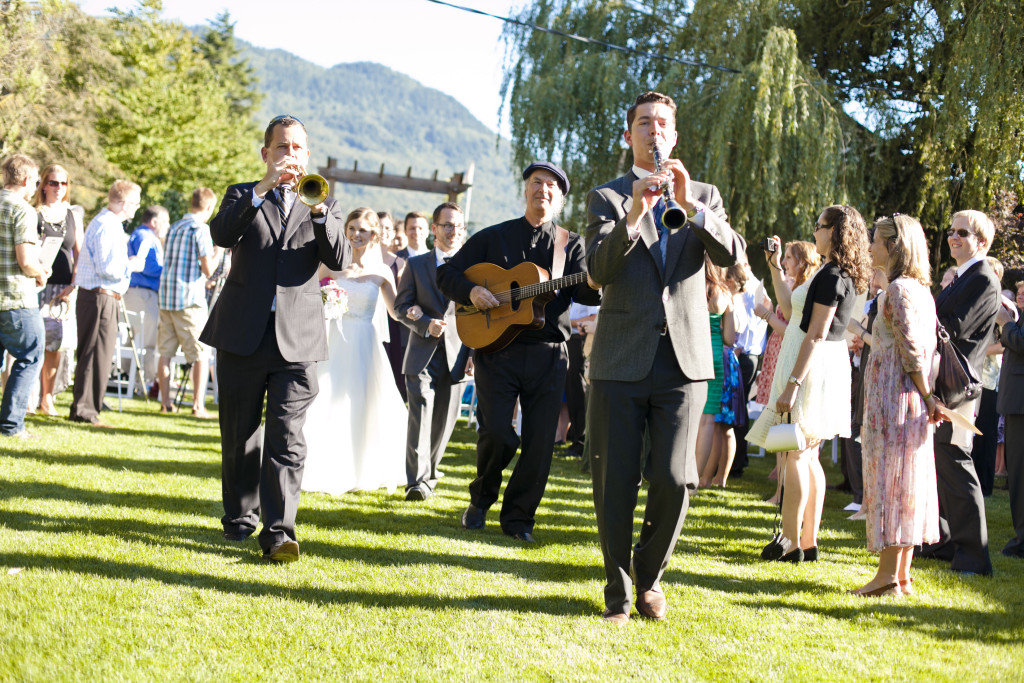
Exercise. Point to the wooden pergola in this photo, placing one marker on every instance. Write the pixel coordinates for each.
(459, 183)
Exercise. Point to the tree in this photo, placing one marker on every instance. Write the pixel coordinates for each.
(935, 87)
(176, 122)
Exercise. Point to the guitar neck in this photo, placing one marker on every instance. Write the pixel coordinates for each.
(530, 291)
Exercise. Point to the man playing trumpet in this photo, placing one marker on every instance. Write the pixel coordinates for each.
(268, 329)
(652, 352)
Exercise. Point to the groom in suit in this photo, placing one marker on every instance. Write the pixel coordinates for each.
(652, 353)
(267, 327)
(435, 359)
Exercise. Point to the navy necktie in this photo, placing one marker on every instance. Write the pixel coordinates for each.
(658, 213)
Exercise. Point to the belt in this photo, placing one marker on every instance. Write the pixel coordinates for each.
(105, 292)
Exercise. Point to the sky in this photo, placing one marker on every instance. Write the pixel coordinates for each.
(456, 52)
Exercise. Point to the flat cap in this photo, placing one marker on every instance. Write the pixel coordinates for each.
(563, 179)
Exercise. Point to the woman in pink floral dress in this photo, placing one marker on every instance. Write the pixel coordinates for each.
(900, 494)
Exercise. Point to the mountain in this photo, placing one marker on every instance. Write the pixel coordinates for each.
(367, 113)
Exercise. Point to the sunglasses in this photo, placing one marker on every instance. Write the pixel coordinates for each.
(57, 183)
(818, 226)
(282, 117)
(961, 232)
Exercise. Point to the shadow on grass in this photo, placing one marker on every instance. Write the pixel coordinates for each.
(564, 606)
(188, 468)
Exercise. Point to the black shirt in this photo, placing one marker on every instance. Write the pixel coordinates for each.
(831, 287)
(64, 265)
(507, 245)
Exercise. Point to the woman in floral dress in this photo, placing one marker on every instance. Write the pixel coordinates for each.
(900, 494)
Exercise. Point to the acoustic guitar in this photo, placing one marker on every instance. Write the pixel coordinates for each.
(522, 290)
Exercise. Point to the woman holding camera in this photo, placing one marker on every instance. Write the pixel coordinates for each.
(900, 495)
(811, 387)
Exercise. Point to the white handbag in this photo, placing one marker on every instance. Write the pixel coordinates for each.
(785, 436)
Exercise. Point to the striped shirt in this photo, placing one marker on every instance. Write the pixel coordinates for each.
(182, 283)
(18, 223)
(103, 261)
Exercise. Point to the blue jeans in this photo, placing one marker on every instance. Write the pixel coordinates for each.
(23, 336)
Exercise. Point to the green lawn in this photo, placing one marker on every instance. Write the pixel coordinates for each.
(124, 575)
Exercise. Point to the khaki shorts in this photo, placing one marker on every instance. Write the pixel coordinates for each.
(183, 328)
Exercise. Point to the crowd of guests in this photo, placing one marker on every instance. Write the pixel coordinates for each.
(848, 351)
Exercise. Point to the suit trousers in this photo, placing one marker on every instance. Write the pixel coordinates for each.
(963, 529)
(748, 371)
(270, 488)
(433, 411)
(983, 451)
(535, 375)
(575, 393)
(669, 406)
(1014, 445)
(96, 316)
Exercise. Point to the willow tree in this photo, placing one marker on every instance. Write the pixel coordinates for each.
(910, 106)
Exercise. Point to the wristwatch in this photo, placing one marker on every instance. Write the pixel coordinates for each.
(794, 380)
(697, 208)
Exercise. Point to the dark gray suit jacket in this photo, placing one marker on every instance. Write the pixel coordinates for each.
(268, 262)
(640, 294)
(419, 286)
(1011, 377)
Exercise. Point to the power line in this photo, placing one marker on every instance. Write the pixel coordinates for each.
(584, 39)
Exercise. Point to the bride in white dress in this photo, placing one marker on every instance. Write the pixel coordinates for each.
(355, 430)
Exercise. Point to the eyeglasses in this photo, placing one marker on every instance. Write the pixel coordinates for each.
(282, 117)
(961, 232)
(57, 183)
(818, 226)
(448, 227)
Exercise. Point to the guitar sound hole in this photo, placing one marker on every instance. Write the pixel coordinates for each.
(513, 301)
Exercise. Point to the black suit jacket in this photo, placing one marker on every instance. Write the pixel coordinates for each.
(268, 261)
(967, 309)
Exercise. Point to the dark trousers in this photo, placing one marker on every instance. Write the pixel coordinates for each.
(668, 406)
(1014, 449)
(96, 315)
(576, 394)
(983, 452)
(748, 371)
(433, 411)
(963, 529)
(535, 375)
(853, 464)
(270, 488)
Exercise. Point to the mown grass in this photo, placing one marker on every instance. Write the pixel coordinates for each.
(124, 575)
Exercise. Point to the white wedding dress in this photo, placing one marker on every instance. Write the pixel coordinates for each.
(355, 430)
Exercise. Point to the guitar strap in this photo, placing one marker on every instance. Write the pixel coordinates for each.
(558, 262)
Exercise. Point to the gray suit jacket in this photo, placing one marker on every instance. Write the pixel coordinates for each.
(419, 286)
(1011, 378)
(640, 294)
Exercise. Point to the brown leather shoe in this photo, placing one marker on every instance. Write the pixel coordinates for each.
(285, 552)
(617, 618)
(651, 603)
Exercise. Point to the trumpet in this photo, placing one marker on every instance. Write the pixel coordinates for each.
(311, 189)
(674, 216)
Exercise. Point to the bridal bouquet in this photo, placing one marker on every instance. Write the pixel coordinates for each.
(334, 297)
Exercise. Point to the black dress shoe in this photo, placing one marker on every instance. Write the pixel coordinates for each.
(284, 552)
(239, 535)
(794, 556)
(811, 554)
(524, 536)
(419, 492)
(473, 517)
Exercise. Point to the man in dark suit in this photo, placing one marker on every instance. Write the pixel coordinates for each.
(531, 369)
(652, 353)
(967, 309)
(435, 359)
(1011, 406)
(267, 327)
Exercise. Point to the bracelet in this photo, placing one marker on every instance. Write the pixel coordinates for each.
(766, 316)
(794, 380)
(925, 397)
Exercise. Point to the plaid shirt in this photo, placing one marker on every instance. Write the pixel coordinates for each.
(182, 283)
(18, 225)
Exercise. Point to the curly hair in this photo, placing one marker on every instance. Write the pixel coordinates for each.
(808, 258)
(849, 247)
